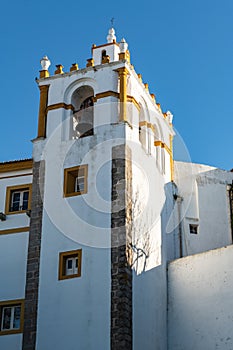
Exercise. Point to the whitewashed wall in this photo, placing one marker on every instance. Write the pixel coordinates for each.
(200, 301)
(205, 202)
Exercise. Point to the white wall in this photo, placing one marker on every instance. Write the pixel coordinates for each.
(200, 301)
(13, 253)
(13, 257)
(205, 202)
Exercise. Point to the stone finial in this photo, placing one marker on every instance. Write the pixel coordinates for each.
(90, 62)
(123, 45)
(111, 36)
(169, 117)
(45, 63)
(105, 59)
(73, 67)
(59, 69)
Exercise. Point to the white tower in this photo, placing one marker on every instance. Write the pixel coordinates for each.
(102, 158)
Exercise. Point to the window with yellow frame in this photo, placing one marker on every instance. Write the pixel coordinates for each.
(18, 199)
(75, 180)
(70, 264)
(11, 316)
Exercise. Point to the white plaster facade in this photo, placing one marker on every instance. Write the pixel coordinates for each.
(77, 311)
(13, 250)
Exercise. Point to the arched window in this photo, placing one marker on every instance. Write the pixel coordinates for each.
(83, 116)
(104, 54)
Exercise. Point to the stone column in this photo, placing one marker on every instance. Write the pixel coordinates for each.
(121, 272)
(33, 260)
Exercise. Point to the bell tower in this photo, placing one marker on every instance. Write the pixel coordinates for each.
(102, 158)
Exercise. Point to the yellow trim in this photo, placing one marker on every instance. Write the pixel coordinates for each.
(69, 175)
(62, 260)
(44, 74)
(123, 72)
(107, 94)
(16, 166)
(59, 105)
(14, 230)
(147, 124)
(132, 99)
(117, 95)
(44, 90)
(11, 303)
(9, 191)
(13, 176)
(108, 44)
(163, 145)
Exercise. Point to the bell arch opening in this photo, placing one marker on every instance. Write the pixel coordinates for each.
(83, 115)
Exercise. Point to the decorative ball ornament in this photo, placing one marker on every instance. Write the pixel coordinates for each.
(169, 117)
(45, 63)
(123, 45)
(111, 35)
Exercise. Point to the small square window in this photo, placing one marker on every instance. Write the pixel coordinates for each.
(11, 313)
(193, 229)
(18, 199)
(75, 181)
(70, 264)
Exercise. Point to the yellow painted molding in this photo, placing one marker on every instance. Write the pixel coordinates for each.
(147, 124)
(132, 99)
(163, 145)
(14, 230)
(108, 44)
(59, 105)
(123, 72)
(16, 165)
(171, 157)
(74, 67)
(107, 94)
(13, 176)
(146, 86)
(44, 90)
(44, 74)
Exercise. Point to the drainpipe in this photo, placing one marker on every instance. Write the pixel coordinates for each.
(231, 207)
(179, 200)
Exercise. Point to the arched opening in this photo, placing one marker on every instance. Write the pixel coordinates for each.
(83, 116)
(104, 54)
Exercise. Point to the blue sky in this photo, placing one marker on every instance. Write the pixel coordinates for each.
(182, 48)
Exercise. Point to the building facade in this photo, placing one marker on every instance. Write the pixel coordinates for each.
(89, 226)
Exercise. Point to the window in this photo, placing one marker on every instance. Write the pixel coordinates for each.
(18, 199)
(11, 316)
(70, 264)
(193, 229)
(75, 181)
